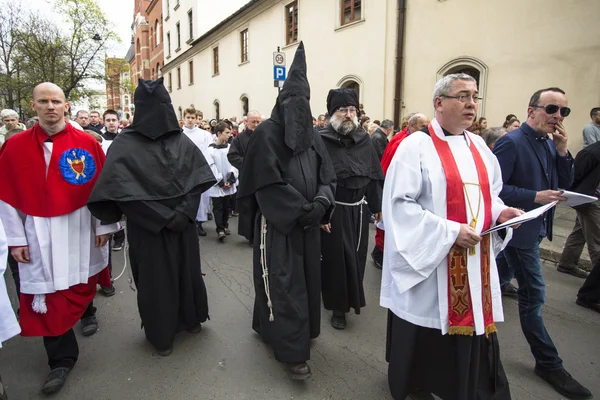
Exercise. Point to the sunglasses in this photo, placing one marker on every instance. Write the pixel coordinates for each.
(553, 108)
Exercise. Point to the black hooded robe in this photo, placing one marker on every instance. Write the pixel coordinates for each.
(236, 154)
(286, 168)
(359, 176)
(152, 174)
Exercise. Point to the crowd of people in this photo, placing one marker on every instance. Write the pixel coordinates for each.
(304, 190)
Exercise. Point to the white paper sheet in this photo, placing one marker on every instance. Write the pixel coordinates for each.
(528, 216)
(576, 199)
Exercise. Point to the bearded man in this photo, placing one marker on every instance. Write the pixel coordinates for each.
(359, 182)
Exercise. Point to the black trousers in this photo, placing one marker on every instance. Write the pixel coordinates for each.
(232, 199)
(14, 269)
(119, 237)
(590, 291)
(63, 350)
(221, 212)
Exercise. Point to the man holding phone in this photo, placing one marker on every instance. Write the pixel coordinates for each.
(533, 167)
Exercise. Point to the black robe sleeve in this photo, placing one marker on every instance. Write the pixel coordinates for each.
(235, 153)
(151, 215)
(282, 205)
(374, 195)
(189, 203)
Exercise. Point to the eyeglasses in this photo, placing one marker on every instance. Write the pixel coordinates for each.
(553, 108)
(464, 97)
(344, 110)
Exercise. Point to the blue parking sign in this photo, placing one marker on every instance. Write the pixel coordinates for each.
(279, 73)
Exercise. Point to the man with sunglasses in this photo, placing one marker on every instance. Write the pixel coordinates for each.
(533, 167)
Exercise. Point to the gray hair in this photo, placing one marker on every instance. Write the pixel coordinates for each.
(387, 124)
(491, 135)
(253, 113)
(8, 113)
(31, 122)
(414, 119)
(444, 85)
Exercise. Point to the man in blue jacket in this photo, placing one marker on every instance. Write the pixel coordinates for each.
(533, 168)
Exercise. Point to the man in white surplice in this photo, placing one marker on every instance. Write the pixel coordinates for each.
(434, 346)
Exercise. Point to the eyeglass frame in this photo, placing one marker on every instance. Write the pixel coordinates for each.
(472, 97)
(564, 111)
(345, 110)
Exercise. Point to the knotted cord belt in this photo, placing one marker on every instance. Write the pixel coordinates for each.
(360, 204)
(263, 263)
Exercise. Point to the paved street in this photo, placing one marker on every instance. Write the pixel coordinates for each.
(227, 360)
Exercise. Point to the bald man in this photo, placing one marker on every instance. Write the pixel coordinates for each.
(61, 249)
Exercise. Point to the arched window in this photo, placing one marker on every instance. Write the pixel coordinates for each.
(157, 31)
(157, 70)
(138, 56)
(245, 105)
(352, 82)
(470, 66)
(217, 109)
(180, 112)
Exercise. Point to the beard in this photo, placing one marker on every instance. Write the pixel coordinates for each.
(344, 125)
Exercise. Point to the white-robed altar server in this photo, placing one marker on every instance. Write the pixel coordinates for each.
(202, 139)
(61, 249)
(439, 278)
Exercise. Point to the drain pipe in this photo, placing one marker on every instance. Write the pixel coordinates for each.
(399, 60)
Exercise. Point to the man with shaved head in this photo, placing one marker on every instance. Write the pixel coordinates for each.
(61, 249)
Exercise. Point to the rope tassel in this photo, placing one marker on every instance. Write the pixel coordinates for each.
(263, 263)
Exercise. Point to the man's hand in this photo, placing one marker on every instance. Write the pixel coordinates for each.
(377, 216)
(101, 240)
(21, 254)
(548, 196)
(560, 138)
(467, 237)
(326, 228)
(509, 214)
(227, 185)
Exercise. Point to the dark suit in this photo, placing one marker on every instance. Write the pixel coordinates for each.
(530, 163)
(380, 141)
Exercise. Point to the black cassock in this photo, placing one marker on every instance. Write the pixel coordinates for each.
(236, 154)
(155, 175)
(344, 250)
(276, 184)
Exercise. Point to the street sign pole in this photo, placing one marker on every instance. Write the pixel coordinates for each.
(279, 70)
(278, 85)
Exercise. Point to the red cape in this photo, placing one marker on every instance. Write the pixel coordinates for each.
(76, 162)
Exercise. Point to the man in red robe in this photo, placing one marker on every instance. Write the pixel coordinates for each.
(61, 249)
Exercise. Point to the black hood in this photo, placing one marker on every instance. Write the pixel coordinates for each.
(341, 98)
(292, 109)
(154, 115)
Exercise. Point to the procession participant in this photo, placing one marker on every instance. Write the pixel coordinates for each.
(287, 184)
(359, 183)
(61, 249)
(202, 139)
(439, 278)
(154, 175)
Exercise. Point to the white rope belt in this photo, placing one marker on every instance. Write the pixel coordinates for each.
(360, 204)
(263, 263)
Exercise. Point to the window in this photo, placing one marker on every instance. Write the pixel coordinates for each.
(170, 82)
(157, 31)
(217, 109)
(178, 36)
(168, 44)
(151, 38)
(216, 60)
(178, 78)
(191, 21)
(244, 45)
(168, 10)
(470, 66)
(191, 68)
(245, 105)
(180, 112)
(157, 69)
(291, 23)
(351, 11)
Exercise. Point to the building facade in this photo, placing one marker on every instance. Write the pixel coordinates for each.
(118, 86)
(390, 51)
(147, 59)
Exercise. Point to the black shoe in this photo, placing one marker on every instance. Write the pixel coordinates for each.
(573, 271)
(56, 380)
(209, 216)
(509, 290)
(221, 236)
(565, 384)
(117, 246)
(166, 352)
(298, 371)
(89, 325)
(195, 329)
(592, 305)
(420, 395)
(200, 229)
(338, 321)
(109, 291)
(227, 232)
(377, 257)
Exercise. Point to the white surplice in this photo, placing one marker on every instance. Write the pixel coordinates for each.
(9, 326)
(202, 139)
(62, 249)
(221, 168)
(418, 237)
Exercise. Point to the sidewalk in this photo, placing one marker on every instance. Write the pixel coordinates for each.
(564, 220)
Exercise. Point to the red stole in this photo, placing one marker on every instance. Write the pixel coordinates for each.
(460, 308)
(75, 164)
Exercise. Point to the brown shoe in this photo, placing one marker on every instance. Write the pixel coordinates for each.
(298, 371)
(573, 271)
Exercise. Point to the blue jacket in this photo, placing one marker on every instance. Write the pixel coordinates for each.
(524, 174)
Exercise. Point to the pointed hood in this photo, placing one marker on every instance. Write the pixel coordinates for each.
(292, 109)
(154, 115)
